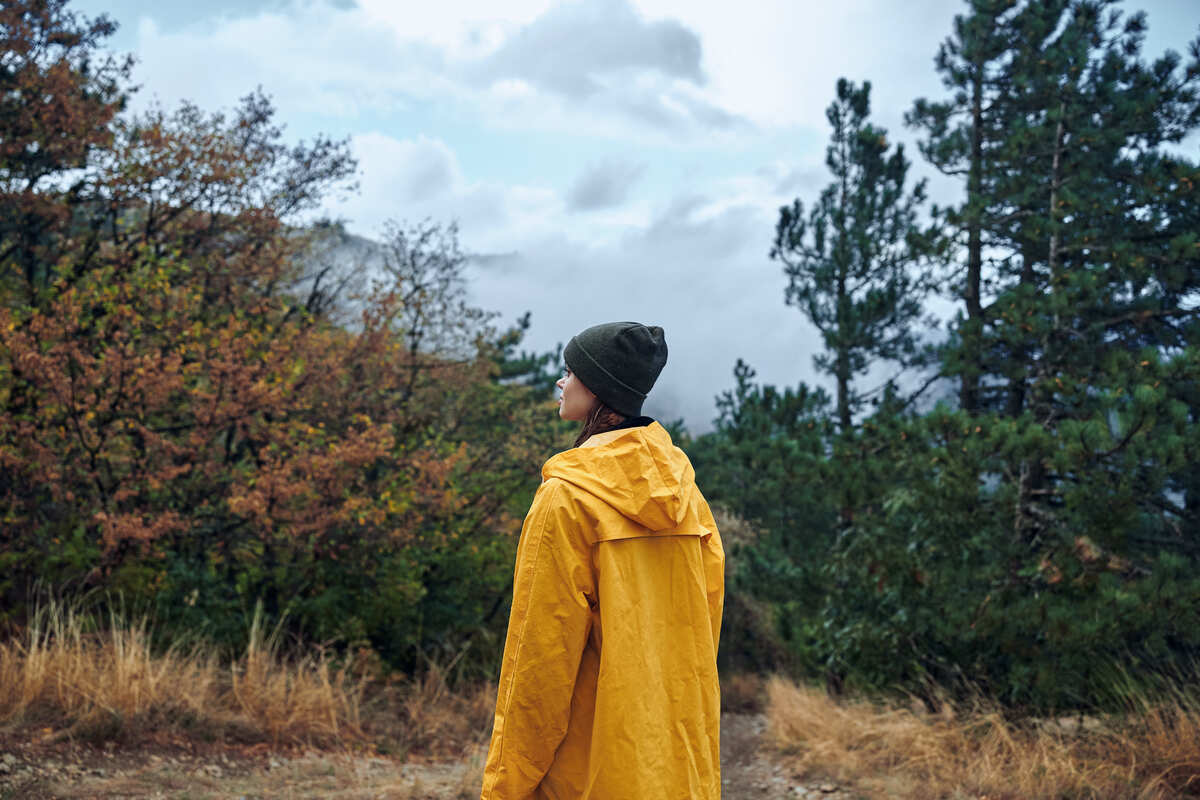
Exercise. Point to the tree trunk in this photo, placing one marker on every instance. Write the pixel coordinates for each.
(1031, 474)
(972, 328)
(842, 254)
(1055, 182)
(1017, 388)
(842, 365)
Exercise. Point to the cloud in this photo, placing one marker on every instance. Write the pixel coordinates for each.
(603, 56)
(566, 68)
(697, 266)
(603, 185)
(696, 263)
(422, 168)
(411, 179)
(575, 49)
(791, 179)
(312, 58)
(181, 15)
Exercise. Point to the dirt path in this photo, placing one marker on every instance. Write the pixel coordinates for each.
(28, 771)
(751, 770)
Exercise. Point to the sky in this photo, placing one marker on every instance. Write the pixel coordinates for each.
(607, 159)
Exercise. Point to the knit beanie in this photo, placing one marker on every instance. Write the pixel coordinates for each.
(618, 362)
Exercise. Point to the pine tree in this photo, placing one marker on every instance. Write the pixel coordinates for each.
(767, 463)
(962, 134)
(1046, 538)
(1100, 259)
(850, 259)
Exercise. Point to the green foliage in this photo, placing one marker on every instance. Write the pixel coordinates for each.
(768, 447)
(199, 416)
(1039, 539)
(766, 463)
(935, 586)
(852, 261)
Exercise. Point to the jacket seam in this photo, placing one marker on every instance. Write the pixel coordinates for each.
(658, 469)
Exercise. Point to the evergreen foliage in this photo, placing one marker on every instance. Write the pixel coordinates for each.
(764, 463)
(1037, 538)
(851, 261)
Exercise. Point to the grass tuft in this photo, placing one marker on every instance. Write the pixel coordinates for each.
(111, 684)
(1151, 751)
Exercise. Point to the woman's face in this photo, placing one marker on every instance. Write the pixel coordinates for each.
(576, 400)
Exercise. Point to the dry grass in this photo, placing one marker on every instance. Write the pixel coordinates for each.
(302, 701)
(113, 685)
(1149, 753)
(743, 693)
(427, 716)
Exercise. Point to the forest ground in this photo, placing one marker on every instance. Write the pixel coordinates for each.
(176, 768)
(164, 731)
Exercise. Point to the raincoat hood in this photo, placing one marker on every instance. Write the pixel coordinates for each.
(639, 472)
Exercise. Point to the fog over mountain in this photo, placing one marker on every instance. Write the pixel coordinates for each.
(604, 159)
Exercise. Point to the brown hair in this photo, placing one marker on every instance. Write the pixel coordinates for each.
(600, 419)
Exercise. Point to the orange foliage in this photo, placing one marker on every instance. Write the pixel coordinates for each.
(177, 389)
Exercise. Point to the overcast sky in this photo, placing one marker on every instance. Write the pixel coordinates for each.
(625, 159)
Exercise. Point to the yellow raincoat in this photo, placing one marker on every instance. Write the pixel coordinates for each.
(608, 688)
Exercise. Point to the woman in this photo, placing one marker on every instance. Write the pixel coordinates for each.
(608, 688)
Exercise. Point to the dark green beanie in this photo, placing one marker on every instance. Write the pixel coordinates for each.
(618, 362)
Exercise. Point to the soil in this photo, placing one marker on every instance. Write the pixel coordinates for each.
(752, 769)
(46, 765)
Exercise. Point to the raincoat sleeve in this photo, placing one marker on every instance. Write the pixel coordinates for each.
(714, 573)
(547, 631)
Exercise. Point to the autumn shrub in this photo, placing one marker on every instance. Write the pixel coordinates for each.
(199, 416)
(205, 465)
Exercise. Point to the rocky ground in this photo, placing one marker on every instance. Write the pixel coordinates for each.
(49, 767)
